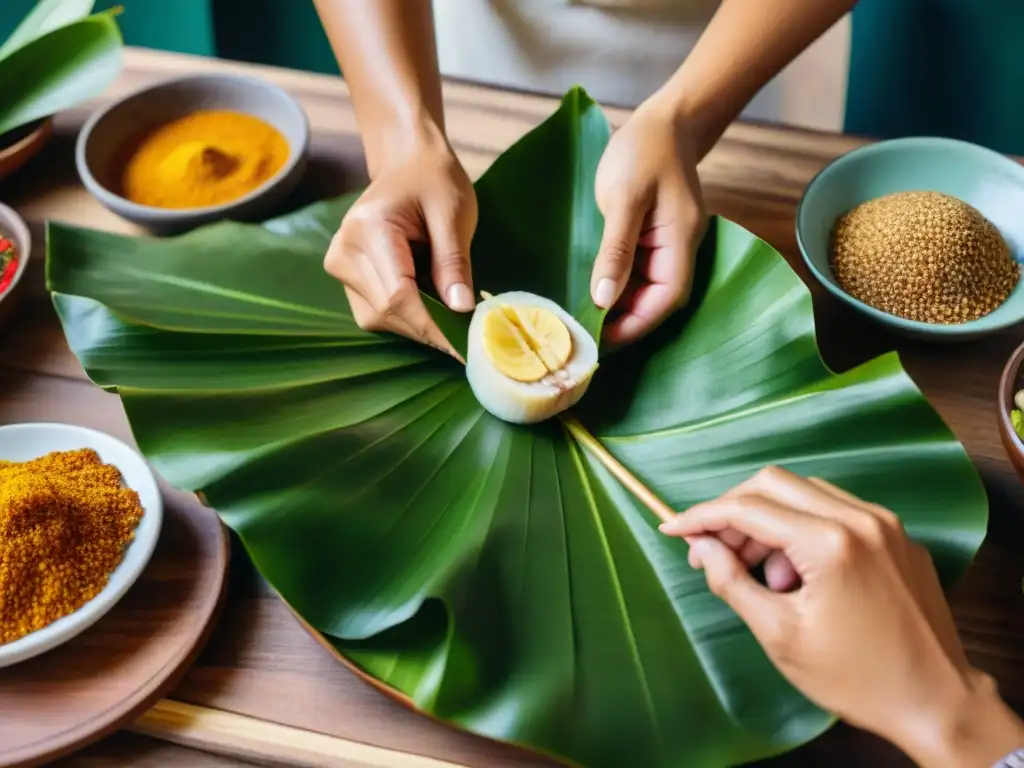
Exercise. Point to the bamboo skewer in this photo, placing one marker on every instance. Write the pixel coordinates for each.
(660, 509)
(267, 743)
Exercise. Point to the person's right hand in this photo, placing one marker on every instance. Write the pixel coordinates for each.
(866, 632)
(423, 196)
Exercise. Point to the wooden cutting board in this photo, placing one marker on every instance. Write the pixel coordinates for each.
(110, 674)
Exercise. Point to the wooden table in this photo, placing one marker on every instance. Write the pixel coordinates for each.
(260, 662)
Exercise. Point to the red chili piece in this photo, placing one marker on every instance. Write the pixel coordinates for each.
(10, 261)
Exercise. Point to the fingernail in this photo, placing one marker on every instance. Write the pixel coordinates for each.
(605, 292)
(460, 298)
(698, 550)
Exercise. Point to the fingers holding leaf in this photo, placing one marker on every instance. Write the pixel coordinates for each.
(374, 262)
(616, 255)
(450, 224)
(661, 276)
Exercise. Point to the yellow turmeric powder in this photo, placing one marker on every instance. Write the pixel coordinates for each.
(205, 158)
(65, 522)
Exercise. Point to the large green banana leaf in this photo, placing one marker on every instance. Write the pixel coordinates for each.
(57, 57)
(498, 575)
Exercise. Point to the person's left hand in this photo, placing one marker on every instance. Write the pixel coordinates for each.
(648, 191)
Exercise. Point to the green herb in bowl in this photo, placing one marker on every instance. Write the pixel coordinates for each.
(1017, 414)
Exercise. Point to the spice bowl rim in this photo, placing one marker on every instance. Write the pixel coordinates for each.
(138, 211)
(1007, 380)
(137, 555)
(982, 326)
(15, 155)
(22, 237)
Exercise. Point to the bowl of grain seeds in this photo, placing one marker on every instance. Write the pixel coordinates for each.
(923, 235)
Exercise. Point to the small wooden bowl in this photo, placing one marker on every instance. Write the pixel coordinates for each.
(1008, 384)
(22, 144)
(13, 227)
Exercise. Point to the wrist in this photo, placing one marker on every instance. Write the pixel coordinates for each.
(397, 138)
(692, 116)
(971, 728)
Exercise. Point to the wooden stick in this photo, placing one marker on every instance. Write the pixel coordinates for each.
(660, 509)
(267, 743)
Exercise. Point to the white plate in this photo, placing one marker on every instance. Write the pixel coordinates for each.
(22, 442)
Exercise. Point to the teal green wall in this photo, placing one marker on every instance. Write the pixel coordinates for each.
(286, 33)
(940, 67)
(174, 25)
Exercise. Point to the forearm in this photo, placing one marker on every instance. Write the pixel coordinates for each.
(388, 56)
(744, 46)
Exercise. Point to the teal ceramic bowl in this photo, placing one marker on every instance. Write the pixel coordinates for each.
(989, 181)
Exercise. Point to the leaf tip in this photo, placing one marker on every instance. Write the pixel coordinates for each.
(578, 98)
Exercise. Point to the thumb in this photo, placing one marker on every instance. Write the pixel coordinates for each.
(449, 259)
(615, 256)
(730, 580)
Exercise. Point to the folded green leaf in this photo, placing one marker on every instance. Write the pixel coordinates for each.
(45, 16)
(59, 69)
(538, 200)
(498, 574)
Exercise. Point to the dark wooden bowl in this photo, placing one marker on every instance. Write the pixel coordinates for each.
(1009, 382)
(22, 144)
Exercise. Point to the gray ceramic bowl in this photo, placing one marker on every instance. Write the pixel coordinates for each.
(102, 140)
(13, 227)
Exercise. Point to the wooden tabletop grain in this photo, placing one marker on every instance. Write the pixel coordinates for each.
(260, 662)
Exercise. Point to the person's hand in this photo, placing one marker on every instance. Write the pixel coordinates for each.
(864, 629)
(424, 196)
(648, 191)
